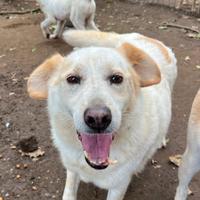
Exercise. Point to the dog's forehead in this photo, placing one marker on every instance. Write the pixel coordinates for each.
(98, 57)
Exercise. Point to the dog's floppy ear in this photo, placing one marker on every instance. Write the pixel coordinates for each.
(38, 80)
(143, 64)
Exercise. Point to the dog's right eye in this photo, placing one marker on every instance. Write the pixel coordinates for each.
(74, 79)
(116, 79)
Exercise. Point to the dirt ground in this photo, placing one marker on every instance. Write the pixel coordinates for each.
(22, 48)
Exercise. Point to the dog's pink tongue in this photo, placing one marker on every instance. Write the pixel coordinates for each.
(97, 146)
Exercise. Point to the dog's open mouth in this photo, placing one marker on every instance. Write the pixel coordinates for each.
(96, 148)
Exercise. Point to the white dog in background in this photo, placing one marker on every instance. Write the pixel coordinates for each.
(191, 158)
(80, 12)
(109, 106)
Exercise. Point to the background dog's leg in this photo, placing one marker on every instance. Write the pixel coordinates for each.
(190, 165)
(79, 25)
(64, 22)
(118, 192)
(90, 24)
(59, 29)
(77, 19)
(45, 27)
(71, 186)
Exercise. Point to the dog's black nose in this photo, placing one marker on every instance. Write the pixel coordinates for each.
(98, 118)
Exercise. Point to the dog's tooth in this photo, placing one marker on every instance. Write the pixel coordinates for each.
(85, 153)
(112, 162)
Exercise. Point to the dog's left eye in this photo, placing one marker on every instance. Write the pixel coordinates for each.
(116, 79)
(74, 79)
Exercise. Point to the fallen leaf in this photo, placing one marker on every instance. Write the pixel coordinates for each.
(176, 160)
(162, 27)
(198, 66)
(1, 56)
(195, 27)
(7, 124)
(25, 166)
(7, 194)
(187, 58)
(18, 166)
(191, 35)
(18, 176)
(190, 192)
(155, 164)
(194, 35)
(33, 50)
(12, 49)
(34, 155)
(11, 93)
(185, 17)
(34, 188)
(13, 146)
(198, 36)
(14, 80)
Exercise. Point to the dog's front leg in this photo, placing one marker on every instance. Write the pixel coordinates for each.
(118, 193)
(77, 19)
(54, 35)
(90, 24)
(62, 27)
(71, 186)
(59, 29)
(45, 27)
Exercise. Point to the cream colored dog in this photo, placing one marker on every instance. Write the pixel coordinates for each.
(80, 12)
(191, 159)
(109, 107)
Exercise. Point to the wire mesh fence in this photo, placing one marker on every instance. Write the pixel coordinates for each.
(189, 6)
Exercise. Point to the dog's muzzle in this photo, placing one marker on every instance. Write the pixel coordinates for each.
(97, 140)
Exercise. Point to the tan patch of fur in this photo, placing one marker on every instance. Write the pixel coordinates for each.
(135, 81)
(143, 64)
(195, 112)
(90, 38)
(37, 82)
(96, 34)
(160, 46)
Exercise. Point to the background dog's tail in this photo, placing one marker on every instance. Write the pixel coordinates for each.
(78, 38)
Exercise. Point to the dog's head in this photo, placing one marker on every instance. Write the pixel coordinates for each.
(94, 87)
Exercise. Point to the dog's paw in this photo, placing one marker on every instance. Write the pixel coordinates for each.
(46, 34)
(53, 36)
(68, 197)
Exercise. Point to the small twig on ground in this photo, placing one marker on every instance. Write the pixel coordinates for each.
(16, 12)
(180, 27)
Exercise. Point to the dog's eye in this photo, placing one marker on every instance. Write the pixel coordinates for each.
(116, 79)
(74, 79)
